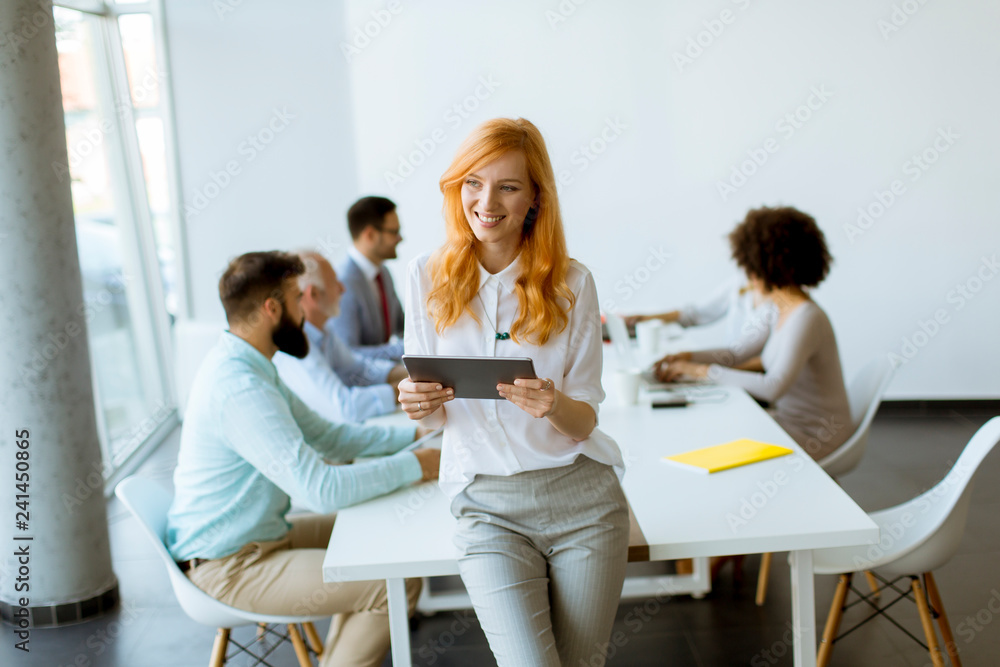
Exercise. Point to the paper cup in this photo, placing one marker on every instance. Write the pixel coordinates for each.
(627, 386)
(648, 336)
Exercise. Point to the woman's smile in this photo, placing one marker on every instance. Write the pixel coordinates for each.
(489, 220)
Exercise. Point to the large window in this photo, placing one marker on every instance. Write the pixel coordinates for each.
(120, 167)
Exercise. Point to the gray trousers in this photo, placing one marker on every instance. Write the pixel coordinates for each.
(543, 556)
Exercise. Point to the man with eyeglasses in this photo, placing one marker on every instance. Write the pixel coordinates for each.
(371, 317)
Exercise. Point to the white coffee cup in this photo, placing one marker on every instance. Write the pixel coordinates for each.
(648, 336)
(627, 383)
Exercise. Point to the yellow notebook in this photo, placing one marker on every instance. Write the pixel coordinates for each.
(729, 455)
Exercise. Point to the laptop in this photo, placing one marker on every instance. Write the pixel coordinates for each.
(620, 340)
(618, 332)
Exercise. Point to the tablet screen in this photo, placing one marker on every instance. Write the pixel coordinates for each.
(470, 377)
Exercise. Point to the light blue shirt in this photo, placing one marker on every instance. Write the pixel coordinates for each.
(318, 385)
(248, 444)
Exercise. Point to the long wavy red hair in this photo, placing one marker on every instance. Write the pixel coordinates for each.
(544, 298)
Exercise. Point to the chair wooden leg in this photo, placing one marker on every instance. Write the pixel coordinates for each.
(762, 576)
(301, 652)
(949, 641)
(219, 648)
(315, 643)
(925, 619)
(833, 620)
(872, 584)
(261, 630)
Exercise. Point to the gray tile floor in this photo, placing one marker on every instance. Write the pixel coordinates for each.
(910, 451)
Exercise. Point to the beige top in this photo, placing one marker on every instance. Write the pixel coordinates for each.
(802, 379)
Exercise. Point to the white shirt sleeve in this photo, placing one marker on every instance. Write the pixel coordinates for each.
(584, 358)
(714, 308)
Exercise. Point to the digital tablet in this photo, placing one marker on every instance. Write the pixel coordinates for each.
(470, 377)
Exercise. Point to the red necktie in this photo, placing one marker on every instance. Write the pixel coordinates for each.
(385, 304)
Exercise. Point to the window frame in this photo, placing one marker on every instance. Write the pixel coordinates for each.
(153, 333)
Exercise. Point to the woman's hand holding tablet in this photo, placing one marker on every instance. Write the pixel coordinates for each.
(419, 399)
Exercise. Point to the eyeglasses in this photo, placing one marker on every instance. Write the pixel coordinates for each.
(386, 230)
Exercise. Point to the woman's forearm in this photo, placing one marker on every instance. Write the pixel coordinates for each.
(572, 418)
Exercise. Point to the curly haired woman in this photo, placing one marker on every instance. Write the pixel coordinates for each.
(784, 253)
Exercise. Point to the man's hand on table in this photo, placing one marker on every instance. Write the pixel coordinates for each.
(430, 461)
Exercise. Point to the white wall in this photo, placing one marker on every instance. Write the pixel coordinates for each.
(681, 131)
(238, 74)
(682, 128)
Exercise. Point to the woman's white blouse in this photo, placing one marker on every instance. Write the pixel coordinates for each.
(495, 437)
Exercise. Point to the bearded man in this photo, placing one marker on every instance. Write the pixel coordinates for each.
(249, 445)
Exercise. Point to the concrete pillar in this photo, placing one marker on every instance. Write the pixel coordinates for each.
(45, 376)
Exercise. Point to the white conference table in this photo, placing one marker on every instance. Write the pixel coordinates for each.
(785, 504)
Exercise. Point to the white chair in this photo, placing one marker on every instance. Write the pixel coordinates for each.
(149, 501)
(917, 537)
(864, 396)
(192, 342)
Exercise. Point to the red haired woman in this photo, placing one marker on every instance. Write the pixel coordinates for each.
(542, 520)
